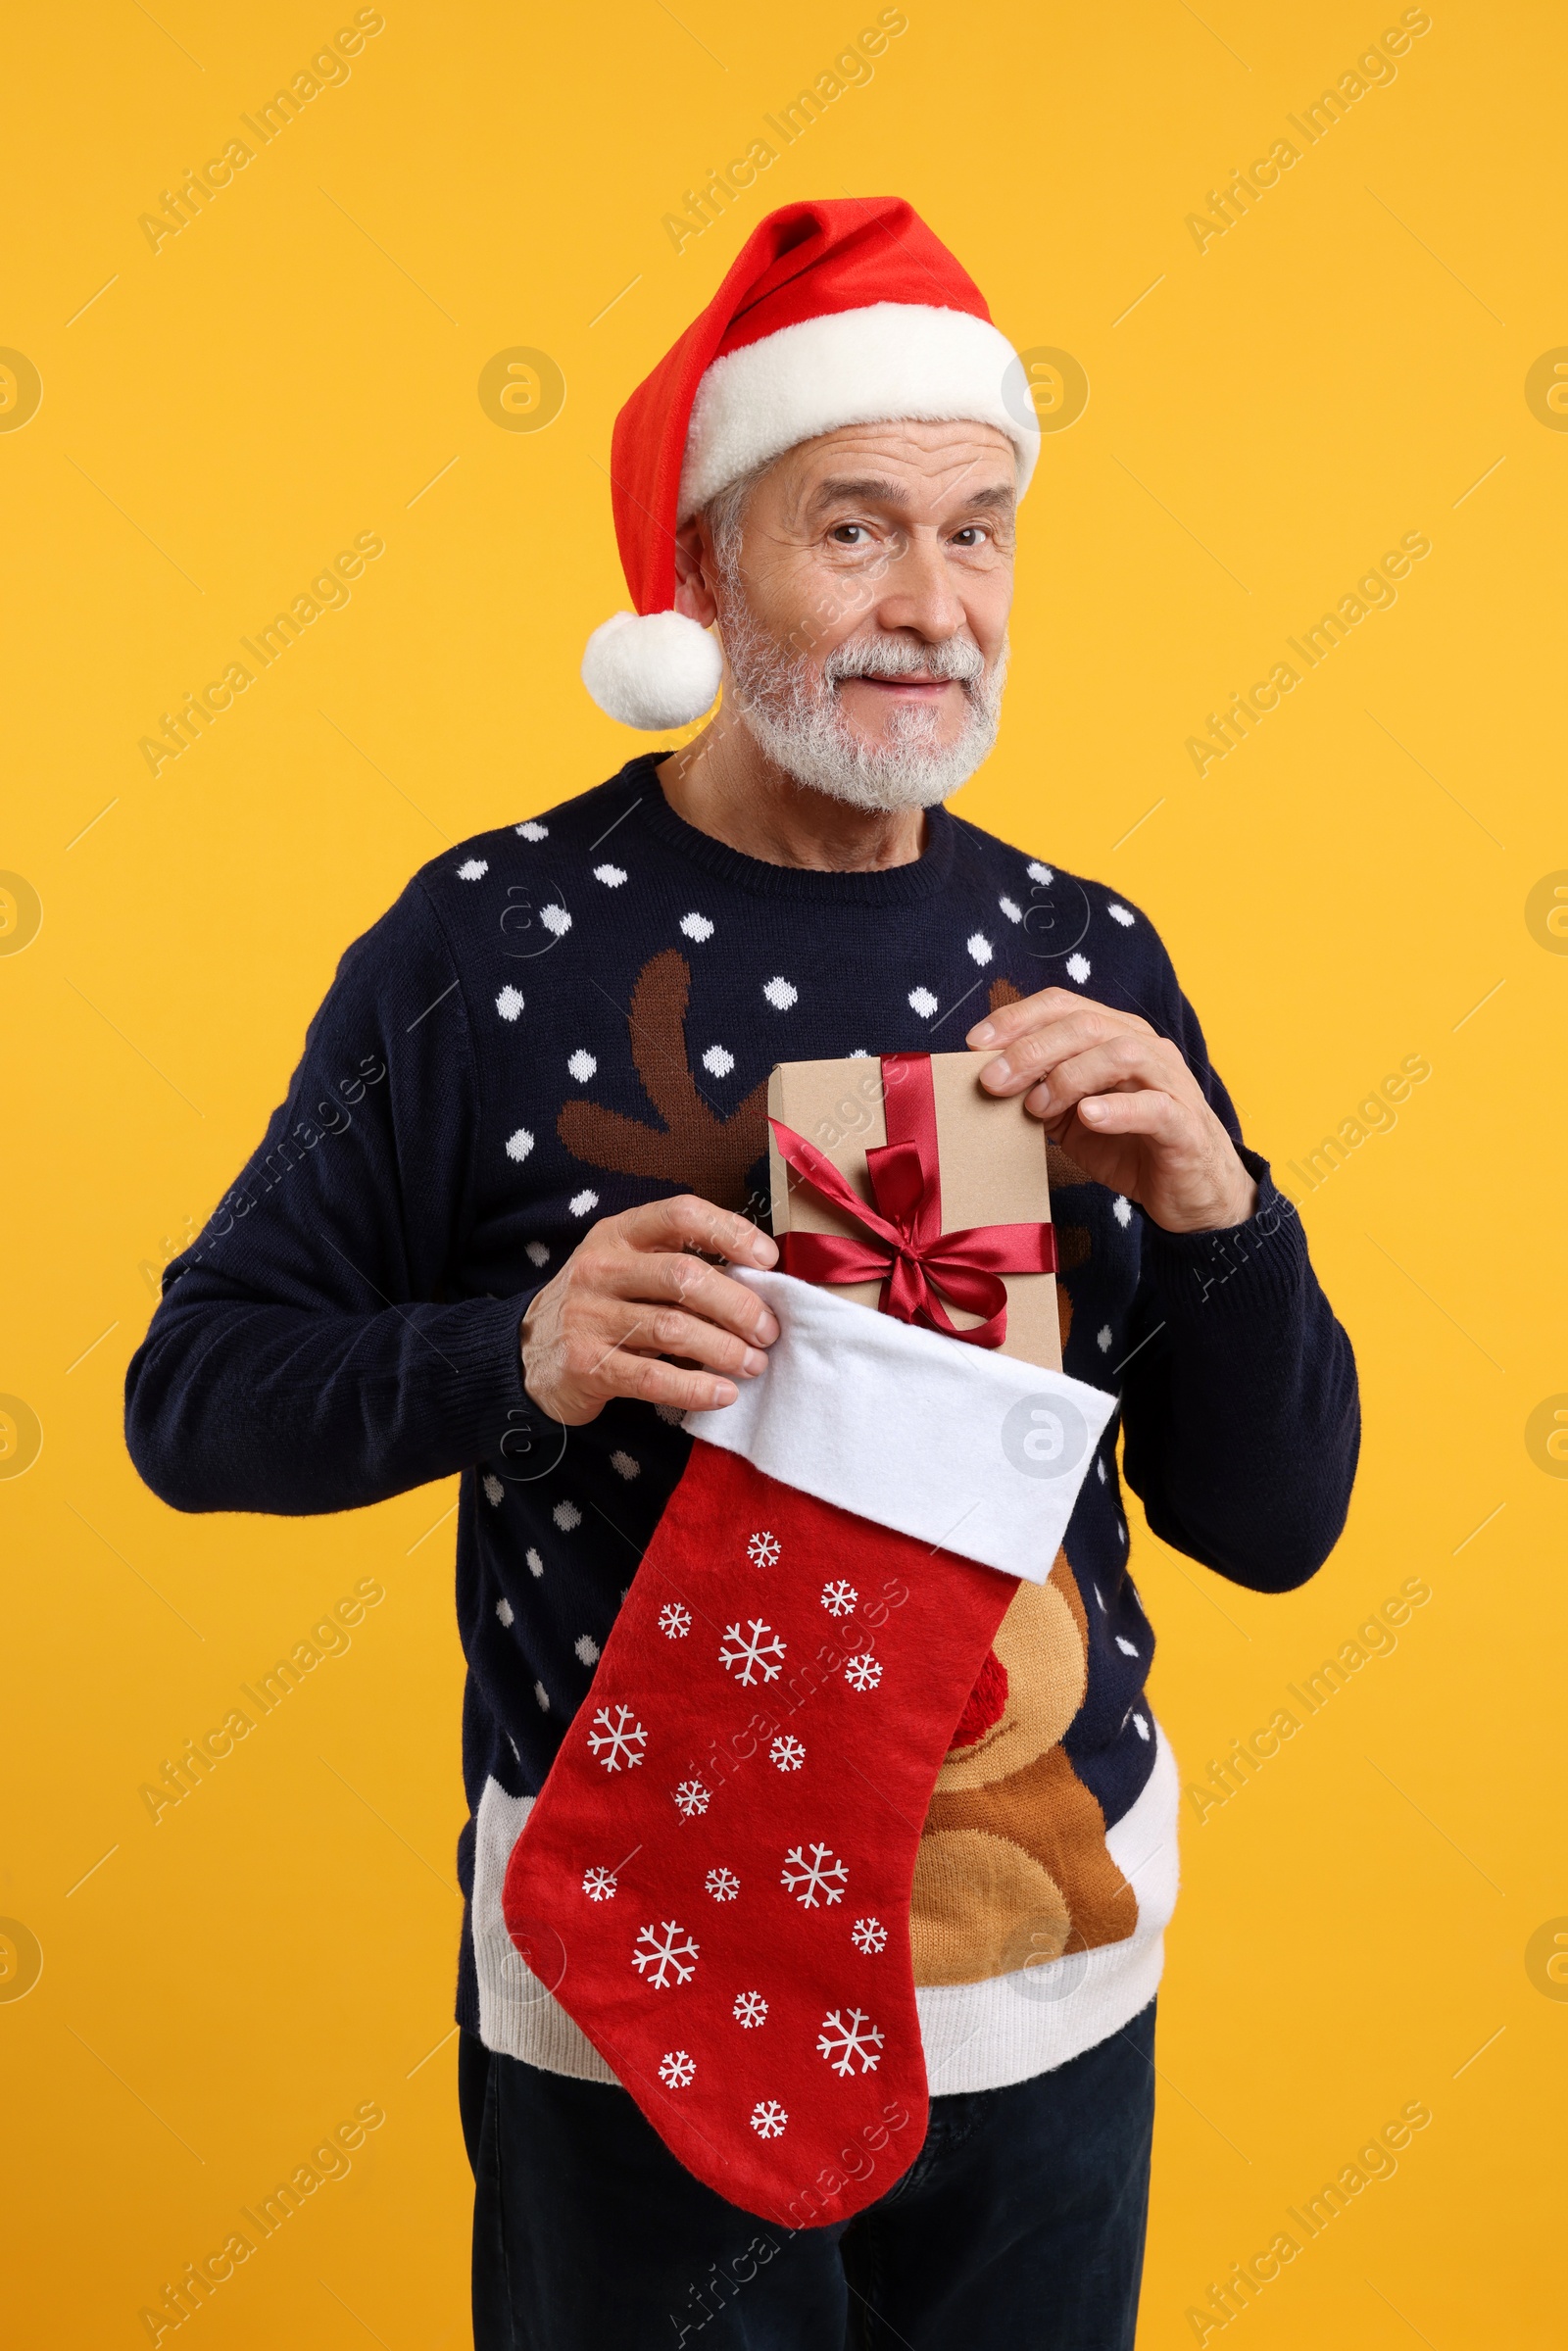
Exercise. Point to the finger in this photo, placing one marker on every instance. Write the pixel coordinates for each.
(686, 1222)
(663, 1330)
(1032, 1058)
(652, 1382)
(1120, 1065)
(701, 1289)
(1148, 1111)
(1047, 1004)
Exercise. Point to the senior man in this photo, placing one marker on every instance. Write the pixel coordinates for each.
(487, 1234)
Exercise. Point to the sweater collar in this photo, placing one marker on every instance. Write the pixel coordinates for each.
(890, 886)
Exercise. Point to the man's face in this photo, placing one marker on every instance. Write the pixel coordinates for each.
(864, 614)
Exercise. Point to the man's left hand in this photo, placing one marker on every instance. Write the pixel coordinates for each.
(1121, 1102)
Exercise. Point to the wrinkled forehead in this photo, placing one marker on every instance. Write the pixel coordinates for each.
(913, 469)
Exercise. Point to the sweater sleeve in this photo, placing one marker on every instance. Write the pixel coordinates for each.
(1240, 1408)
(310, 1352)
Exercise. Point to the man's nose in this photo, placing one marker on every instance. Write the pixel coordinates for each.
(916, 591)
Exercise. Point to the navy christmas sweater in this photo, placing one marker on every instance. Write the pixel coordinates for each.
(569, 1016)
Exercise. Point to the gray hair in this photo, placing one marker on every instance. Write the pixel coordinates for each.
(724, 515)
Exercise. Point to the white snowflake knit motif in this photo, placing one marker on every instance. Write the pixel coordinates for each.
(922, 1001)
(473, 869)
(581, 1066)
(719, 1060)
(674, 1621)
(676, 2069)
(566, 1515)
(762, 1550)
(599, 1884)
(722, 1885)
(863, 1672)
(823, 1876)
(747, 1657)
(1078, 968)
(869, 1935)
(768, 2119)
(691, 1798)
(618, 1741)
(556, 920)
(532, 830)
(979, 947)
(839, 1598)
(508, 1003)
(666, 1960)
(695, 926)
(519, 1143)
(844, 2039)
(780, 994)
(786, 1753)
(611, 875)
(749, 2010)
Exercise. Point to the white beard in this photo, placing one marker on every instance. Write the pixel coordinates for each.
(794, 713)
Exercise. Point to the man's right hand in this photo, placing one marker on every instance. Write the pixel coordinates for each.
(636, 1290)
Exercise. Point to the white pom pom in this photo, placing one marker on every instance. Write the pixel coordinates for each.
(657, 670)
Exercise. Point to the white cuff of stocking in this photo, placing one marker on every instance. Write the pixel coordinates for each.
(965, 1450)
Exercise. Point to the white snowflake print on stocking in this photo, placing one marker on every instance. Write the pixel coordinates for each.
(863, 1672)
(843, 2040)
(823, 1877)
(768, 2119)
(670, 1956)
(691, 1798)
(839, 1598)
(763, 1550)
(674, 1621)
(787, 1754)
(749, 2010)
(747, 1657)
(722, 1885)
(869, 1935)
(676, 2069)
(618, 1738)
(599, 1884)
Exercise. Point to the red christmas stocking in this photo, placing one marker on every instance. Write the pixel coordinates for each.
(716, 1879)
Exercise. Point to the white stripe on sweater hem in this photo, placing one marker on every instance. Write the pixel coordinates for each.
(975, 2035)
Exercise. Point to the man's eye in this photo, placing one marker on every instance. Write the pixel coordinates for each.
(970, 536)
(841, 534)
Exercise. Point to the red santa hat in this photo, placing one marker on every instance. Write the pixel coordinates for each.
(848, 311)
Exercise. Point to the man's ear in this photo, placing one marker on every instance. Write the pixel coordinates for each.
(694, 595)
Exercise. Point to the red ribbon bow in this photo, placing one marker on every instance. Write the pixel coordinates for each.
(907, 1248)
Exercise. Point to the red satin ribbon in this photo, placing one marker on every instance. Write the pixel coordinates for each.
(906, 1249)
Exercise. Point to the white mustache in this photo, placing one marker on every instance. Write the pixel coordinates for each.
(897, 656)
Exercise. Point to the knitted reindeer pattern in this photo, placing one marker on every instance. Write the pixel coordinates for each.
(1012, 1867)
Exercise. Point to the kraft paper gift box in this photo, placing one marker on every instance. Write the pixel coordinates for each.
(989, 1159)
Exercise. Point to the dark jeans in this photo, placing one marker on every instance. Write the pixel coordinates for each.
(1020, 2223)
